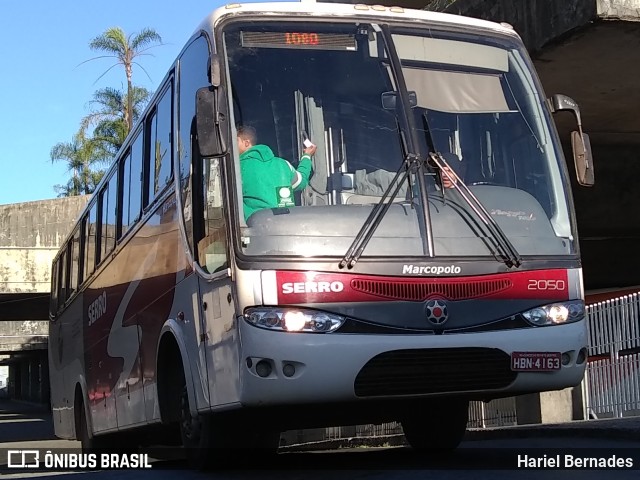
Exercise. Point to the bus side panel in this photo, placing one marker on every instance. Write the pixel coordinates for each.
(128, 302)
(66, 366)
(102, 370)
(154, 298)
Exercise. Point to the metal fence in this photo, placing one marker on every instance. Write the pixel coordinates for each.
(496, 413)
(611, 386)
(612, 382)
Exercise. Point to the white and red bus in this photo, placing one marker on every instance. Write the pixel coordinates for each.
(431, 260)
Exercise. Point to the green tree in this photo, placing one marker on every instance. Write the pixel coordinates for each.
(126, 49)
(109, 115)
(83, 155)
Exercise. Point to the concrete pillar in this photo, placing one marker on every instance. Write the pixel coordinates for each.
(44, 379)
(579, 401)
(13, 380)
(34, 378)
(23, 394)
(545, 407)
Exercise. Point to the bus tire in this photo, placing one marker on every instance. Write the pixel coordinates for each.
(198, 437)
(89, 443)
(438, 429)
(263, 442)
(117, 442)
(83, 431)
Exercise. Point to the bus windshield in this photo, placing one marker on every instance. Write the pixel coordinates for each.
(474, 100)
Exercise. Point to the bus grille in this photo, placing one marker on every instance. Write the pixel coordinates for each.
(439, 370)
(453, 289)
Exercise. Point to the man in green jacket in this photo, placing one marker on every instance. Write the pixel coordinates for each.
(269, 181)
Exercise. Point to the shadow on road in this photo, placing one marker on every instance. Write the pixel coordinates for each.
(24, 422)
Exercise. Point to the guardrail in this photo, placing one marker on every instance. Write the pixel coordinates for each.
(612, 381)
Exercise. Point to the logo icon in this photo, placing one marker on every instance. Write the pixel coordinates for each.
(23, 459)
(285, 196)
(436, 311)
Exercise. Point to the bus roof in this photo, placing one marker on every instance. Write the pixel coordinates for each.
(352, 11)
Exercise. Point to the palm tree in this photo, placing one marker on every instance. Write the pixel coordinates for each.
(125, 49)
(109, 117)
(82, 154)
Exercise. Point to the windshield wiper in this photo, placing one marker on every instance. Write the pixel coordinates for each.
(505, 249)
(412, 163)
(361, 240)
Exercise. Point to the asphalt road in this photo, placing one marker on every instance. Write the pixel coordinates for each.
(494, 458)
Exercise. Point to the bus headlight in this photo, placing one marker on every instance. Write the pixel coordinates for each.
(293, 319)
(556, 313)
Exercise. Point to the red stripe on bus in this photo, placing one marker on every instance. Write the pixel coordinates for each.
(316, 287)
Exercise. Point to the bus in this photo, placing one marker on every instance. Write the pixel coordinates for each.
(431, 259)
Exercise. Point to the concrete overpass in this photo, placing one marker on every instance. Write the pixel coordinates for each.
(30, 235)
(589, 50)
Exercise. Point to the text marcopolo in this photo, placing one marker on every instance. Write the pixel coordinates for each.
(430, 269)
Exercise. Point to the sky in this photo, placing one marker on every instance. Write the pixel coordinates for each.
(45, 88)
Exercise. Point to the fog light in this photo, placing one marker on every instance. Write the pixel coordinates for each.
(582, 356)
(566, 358)
(288, 370)
(263, 368)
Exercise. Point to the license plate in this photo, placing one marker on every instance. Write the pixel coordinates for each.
(535, 361)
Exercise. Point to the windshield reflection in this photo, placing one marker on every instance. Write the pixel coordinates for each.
(477, 106)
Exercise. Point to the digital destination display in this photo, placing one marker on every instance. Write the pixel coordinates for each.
(299, 40)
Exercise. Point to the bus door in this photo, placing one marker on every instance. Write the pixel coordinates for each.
(220, 339)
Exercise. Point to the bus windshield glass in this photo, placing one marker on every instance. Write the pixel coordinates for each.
(474, 99)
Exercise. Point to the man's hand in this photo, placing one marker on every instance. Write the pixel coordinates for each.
(310, 150)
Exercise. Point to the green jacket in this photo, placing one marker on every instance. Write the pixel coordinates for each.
(264, 174)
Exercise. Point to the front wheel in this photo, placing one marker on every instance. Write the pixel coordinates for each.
(212, 441)
(198, 438)
(436, 426)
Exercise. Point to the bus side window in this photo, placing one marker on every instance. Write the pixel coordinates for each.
(75, 262)
(136, 179)
(123, 194)
(160, 149)
(108, 219)
(90, 241)
(62, 279)
(212, 249)
(53, 307)
(193, 74)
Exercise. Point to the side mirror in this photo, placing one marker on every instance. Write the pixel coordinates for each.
(212, 125)
(583, 159)
(580, 143)
(390, 99)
